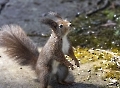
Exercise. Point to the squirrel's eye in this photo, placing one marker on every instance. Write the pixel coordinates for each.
(70, 25)
(60, 26)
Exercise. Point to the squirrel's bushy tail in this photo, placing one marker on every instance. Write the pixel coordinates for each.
(18, 45)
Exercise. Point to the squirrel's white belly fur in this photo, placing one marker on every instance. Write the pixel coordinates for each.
(65, 47)
(55, 66)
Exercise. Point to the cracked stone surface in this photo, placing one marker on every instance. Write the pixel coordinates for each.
(28, 13)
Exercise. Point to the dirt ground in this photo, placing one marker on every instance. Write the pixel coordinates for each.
(12, 75)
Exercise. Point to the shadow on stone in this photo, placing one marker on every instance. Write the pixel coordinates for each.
(75, 85)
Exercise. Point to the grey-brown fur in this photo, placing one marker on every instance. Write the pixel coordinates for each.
(51, 53)
(50, 61)
(18, 45)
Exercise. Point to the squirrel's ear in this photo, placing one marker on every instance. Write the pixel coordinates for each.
(50, 22)
(55, 14)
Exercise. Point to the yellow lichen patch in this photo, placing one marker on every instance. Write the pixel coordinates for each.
(107, 61)
(111, 74)
(88, 55)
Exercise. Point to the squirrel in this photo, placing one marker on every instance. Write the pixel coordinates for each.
(51, 60)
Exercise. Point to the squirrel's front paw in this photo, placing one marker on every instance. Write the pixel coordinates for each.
(68, 64)
(77, 63)
(71, 66)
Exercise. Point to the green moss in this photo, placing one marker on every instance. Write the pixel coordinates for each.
(98, 43)
(90, 33)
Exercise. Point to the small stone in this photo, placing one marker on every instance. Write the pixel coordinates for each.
(89, 70)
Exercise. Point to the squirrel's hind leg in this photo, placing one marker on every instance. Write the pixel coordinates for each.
(62, 74)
